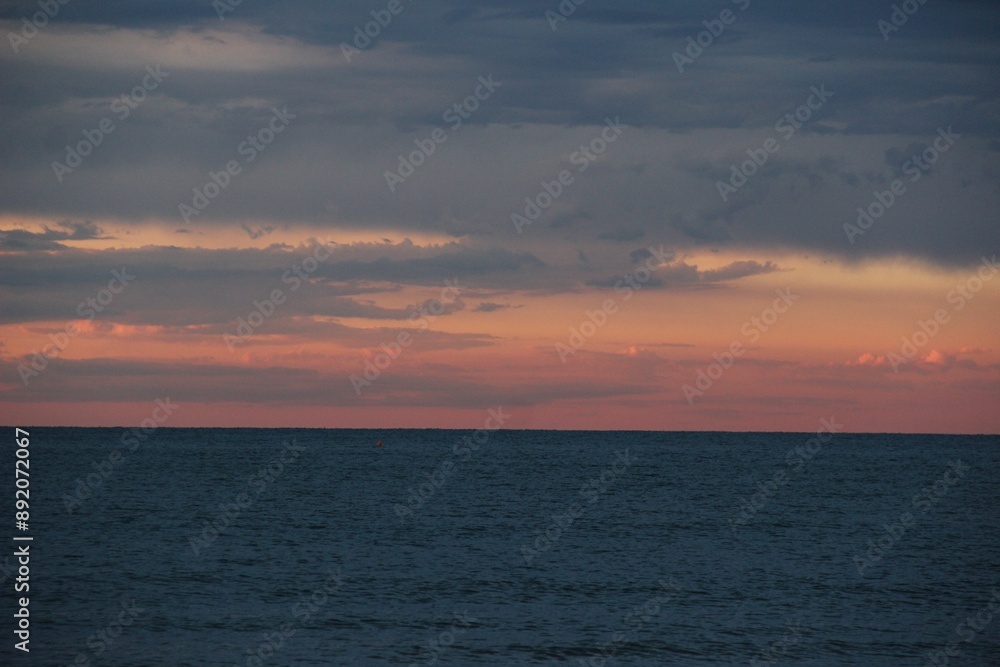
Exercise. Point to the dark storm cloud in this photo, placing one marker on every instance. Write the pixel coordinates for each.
(352, 122)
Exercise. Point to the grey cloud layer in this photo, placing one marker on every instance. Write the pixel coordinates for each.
(657, 182)
(209, 289)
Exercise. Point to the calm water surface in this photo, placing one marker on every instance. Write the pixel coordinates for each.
(230, 547)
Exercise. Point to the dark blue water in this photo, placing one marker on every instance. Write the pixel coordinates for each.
(538, 547)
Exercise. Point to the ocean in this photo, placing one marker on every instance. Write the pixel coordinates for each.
(321, 547)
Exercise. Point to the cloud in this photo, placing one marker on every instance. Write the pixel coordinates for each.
(354, 121)
(257, 233)
(682, 274)
(737, 270)
(622, 235)
(22, 240)
(412, 384)
(490, 307)
(931, 361)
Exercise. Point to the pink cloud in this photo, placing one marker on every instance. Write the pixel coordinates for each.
(868, 359)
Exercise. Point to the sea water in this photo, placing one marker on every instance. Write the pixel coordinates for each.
(318, 547)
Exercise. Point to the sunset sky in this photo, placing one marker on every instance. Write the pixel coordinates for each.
(559, 212)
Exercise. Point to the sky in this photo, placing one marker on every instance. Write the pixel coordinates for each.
(735, 215)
